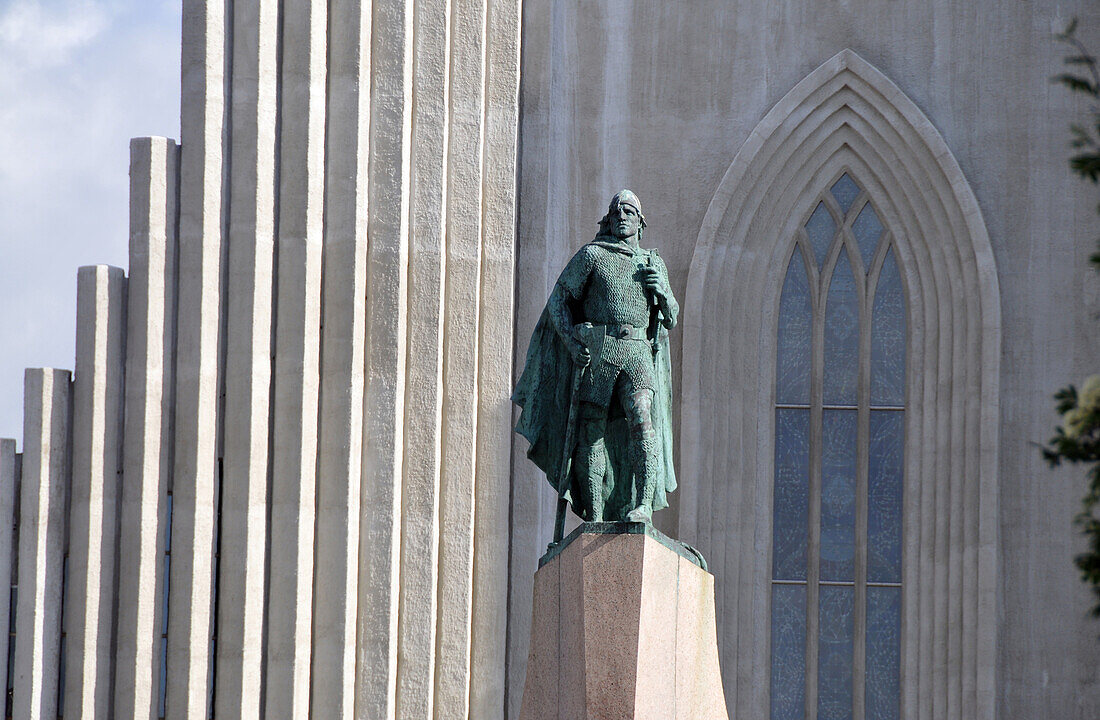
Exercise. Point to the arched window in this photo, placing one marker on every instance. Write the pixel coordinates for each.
(839, 438)
(921, 302)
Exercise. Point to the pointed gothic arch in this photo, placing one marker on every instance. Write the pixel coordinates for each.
(847, 116)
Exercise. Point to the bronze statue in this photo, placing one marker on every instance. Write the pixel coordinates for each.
(595, 390)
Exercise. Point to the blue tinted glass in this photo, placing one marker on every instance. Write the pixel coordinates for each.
(838, 495)
(841, 336)
(845, 191)
(884, 494)
(163, 675)
(867, 230)
(821, 228)
(792, 383)
(168, 529)
(788, 682)
(791, 500)
(834, 655)
(61, 678)
(888, 337)
(883, 689)
(164, 592)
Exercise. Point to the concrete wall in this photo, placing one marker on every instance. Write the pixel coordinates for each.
(660, 98)
(282, 463)
(318, 345)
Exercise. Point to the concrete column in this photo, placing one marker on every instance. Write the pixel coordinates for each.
(340, 457)
(491, 532)
(9, 475)
(463, 255)
(243, 528)
(46, 467)
(147, 437)
(424, 363)
(93, 500)
(384, 401)
(202, 248)
(297, 351)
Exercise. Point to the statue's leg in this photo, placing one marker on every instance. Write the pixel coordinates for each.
(643, 452)
(591, 459)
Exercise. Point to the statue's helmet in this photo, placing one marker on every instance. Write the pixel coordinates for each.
(626, 197)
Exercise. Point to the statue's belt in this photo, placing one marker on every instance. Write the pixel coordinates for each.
(621, 332)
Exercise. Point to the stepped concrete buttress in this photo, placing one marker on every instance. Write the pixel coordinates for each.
(623, 628)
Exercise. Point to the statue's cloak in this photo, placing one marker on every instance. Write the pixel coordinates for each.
(543, 396)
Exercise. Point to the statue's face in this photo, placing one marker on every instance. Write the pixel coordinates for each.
(625, 221)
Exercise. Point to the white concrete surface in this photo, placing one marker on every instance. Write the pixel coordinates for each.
(42, 530)
(9, 472)
(340, 442)
(147, 432)
(386, 332)
(242, 531)
(296, 378)
(90, 587)
(198, 356)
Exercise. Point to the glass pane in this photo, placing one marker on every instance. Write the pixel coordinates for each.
(788, 685)
(821, 228)
(841, 336)
(168, 529)
(867, 229)
(164, 591)
(884, 493)
(883, 691)
(795, 316)
(888, 337)
(61, 677)
(791, 501)
(834, 655)
(838, 495)
(845, 191)
(163, 676)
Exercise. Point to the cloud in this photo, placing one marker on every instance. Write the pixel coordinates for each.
(33, 34)
(79, 79)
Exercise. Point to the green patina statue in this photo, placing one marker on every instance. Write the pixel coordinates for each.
(595, 390)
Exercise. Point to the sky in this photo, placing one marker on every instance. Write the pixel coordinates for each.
(78, 79)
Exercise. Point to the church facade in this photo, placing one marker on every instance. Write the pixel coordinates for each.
(281, 479)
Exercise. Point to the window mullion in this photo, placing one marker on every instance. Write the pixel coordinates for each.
(813, 553)
(859, 654)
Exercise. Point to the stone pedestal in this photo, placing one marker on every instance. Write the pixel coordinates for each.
(623, 629)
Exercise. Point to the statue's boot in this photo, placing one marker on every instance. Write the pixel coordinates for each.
(643, 451)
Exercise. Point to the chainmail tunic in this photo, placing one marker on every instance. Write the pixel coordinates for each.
(608, 286)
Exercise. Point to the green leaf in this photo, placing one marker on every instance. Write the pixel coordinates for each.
(1076, 83)
(1080, 60)
(1068, 32)
(1086, 165)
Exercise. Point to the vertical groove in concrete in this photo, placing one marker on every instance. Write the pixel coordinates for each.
(424, 364)
(244, 493)
(491, 532)
(8, 497)
(384, 395)
(459, 421)
(93, 493)
(203, 159)
(340, 442)
(147, 438)
(297, 349)
(46, 464)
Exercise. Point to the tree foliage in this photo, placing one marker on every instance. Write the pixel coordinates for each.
(1077, 440)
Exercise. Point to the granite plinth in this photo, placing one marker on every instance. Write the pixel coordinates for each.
(623, 628)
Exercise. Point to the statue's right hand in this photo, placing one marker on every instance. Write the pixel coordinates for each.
(581, 356)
